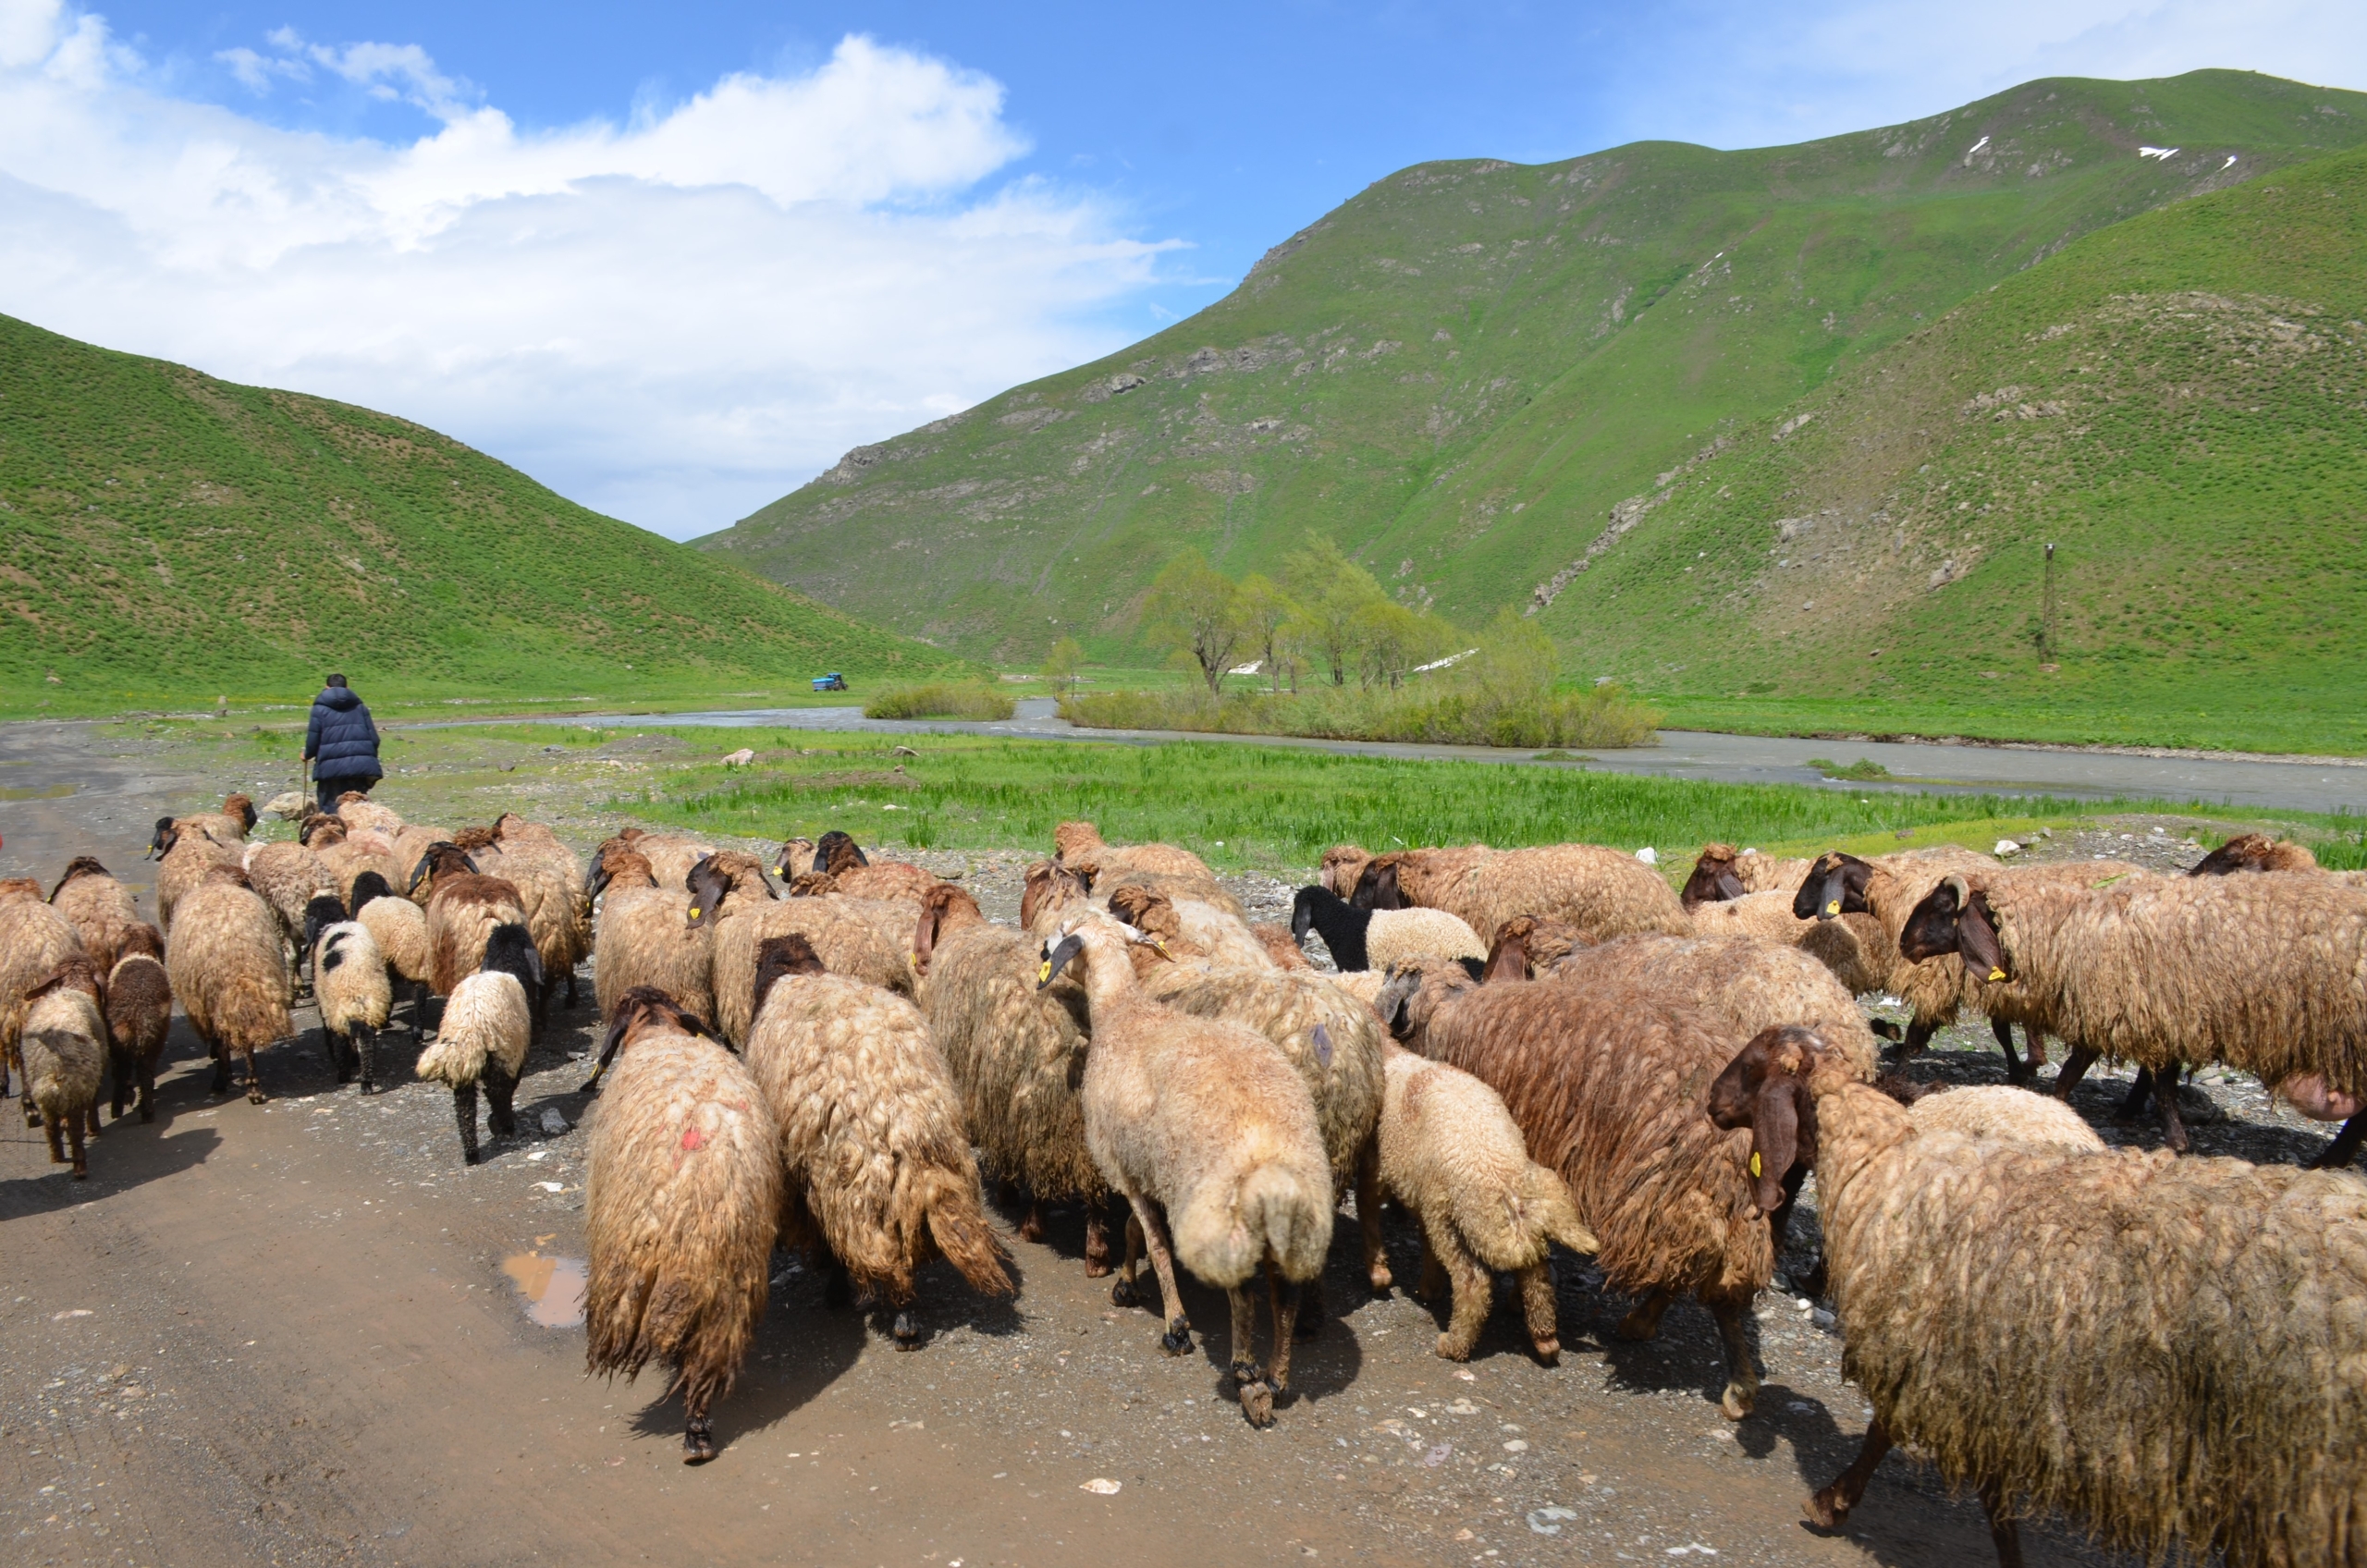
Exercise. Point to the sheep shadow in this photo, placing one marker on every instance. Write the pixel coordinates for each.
(128, 1153)
(799, 1350)
(1687, 1353)
(1505, 1332)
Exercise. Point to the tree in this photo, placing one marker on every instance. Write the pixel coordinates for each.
(1332, 591)
(1265, 611)
(1390, 639)
(1192, 609)
(1514, 665)
(1062, 665)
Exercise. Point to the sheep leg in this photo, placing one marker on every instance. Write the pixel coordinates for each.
(1369, 1216)
(1282, 1296)
(1829, 1507)
(1123, 1292)
(2338, 1155)
(147, 1088)
(1097, 1237)
(1742, 1375)
(1474, 1288)
(1434, 1279)
(1644, 1323)
(2005, 1034)
(418, 1012)
(1248, 1379)
(2036, 1040)
(118, 1080)
(1177, 1341)
(50, 1125)
(334, 1043)
(74, 1141)
(2141, 1089)
(464, 1111)
(1312, 1309)
(1031, 1229)
(2165, 1100)
(2075, 1067)
(365, 1045)
(838, 1286)
(2003, 1532)
(254, 1079)
(1536, 1303)
(500, 1092)
(698, 1432)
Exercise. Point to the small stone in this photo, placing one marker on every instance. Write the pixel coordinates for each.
(554, 1121)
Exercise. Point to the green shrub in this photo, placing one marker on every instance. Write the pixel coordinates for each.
(940, 699)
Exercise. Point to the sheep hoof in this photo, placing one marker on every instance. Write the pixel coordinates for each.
(1094, 1267)
(255, 1095)
(1381, 1281)
(698, 1443)
(1450, 1351)
(1123, 1294)
(147, 1114)
(81, 1173)
(1823, 1509)
(907, 1332)
(1549, 1352)
(1177, 1341)
(1257, 1404)
(1737, 1402)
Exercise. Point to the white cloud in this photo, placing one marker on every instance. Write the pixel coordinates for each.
(673, 319)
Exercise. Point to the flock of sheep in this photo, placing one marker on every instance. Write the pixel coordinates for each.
(1523, 1048)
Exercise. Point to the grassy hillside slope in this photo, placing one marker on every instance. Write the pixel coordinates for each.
(2178, 403)
(1459, 373)
(168, 537)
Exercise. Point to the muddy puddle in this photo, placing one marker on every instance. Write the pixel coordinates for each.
(551, 1288)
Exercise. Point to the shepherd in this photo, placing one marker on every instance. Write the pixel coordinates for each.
(341, 745)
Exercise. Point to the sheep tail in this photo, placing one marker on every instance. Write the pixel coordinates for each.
(957, 1222)
(1546, 1197)
(250, 1013)
(457, 1058)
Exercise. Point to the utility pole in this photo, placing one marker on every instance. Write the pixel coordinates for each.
(2047, 609)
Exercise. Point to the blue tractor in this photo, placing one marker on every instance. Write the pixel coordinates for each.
(833, 682)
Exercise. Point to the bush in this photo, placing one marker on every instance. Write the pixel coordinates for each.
(1604, 716)
(940, 699)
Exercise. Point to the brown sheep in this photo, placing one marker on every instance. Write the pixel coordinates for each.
(1524, 946)
(2180, 1367)
(34, 940)
(464, 906)
(289, 877)
(732, 908)
(1599, 890)
(1079, 846)
(1016, 1054)
(682, 1201)
(1723, 873)
(644, 939)
(1051, 891)
(227, 966)
(101, 908)
(550, 888)
(1281, 948)
(871, 1133)
(1190, 929)
(183, 860)
(857, 875)
(670, 855)
(63, 1044)
(139, 1017)
(1607, 1083)
(2255, 852)
(357, 810)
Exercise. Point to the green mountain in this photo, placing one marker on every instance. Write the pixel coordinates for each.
(2178, 403)
(168, 537)
(1461, 373)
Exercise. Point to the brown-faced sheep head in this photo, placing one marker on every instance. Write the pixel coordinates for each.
(1377, 886)
(1766, 1089)
(836, 852)
(18, 888)
(1954, 918)
(241, 808)
(945, 908)
(618, 865)
(778, 956)
(641, 1011)
(80, 865)
(74, 972)
(440, 859)
(1051, 885)
(796, 855)
(320, 830)
(472, 840)
(1714, 879)
(1343, 863)
(2255, 852)
(1413, 992)
(722, 876)
(1834, 886)
(1073, 843)
(1508, 954)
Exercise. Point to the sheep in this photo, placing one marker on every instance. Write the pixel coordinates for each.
(2255, 852)
(732, 909)
(63, 1042)
(183, 860)
(287, 877)
(487, 1028)
(2003, 1114)
(1282, 946)
(464, 906)
(1886, 888)
(1606, 1083)
(349, 856)
(2181, 1365)
(1452, 1156)
(558, 915)
(1722, 873)
(1080, 847)
(1206, 1120)
(871, 1132)
(858, 877)
(228, 826)
(139, 1017)
(34, 939)
(99, 907)
(1599, 890)
(1377, 938)
(645, 937)
(400, 928)
(227, 966)
(1419, 873)
(350, 984)
(2267, 973)
(1852, 946)
(1749, 983)
(670, 855)
(1334, 1043)
(357, 810)
(1015, 1053)
(682, 1202)
(1190, 928)
(1051, 891)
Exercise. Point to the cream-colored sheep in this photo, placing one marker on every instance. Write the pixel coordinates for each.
(227, 968)
(64, 1042)
(99, 907)
(643, 937)
(487, 1028)
(350, 984)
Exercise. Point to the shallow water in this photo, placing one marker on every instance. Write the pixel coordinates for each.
(552, 1287)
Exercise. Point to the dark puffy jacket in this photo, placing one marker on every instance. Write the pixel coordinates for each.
(342, 740)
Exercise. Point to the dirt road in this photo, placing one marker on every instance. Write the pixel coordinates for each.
(286, 1334)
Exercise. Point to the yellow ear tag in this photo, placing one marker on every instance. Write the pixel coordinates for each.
(1996, 975)
(1045, 972)
(1754, 1162)
(695, 912)
(1832, 906)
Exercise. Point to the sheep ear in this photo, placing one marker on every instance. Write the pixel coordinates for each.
(1774, 1139)
(1509, 962)
(1977, 940)
(925, 937)
(1835, 892)
(625, 1017)
(1057, 958)
(1729, 886)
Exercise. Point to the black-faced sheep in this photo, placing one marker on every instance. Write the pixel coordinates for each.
(872, 1140)
(99, 907)
(64, 1042)
(1606, 1081)
(351, 982)
(1452, 1156)
(1203, 1121)
(1380, 938)
(682, 1201)
(487, 1028)
(2265, 973)
(2181, 1365)
(140, 1018)
(399, 928)
(227, 968)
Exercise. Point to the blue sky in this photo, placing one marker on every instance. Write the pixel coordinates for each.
(672, 259)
